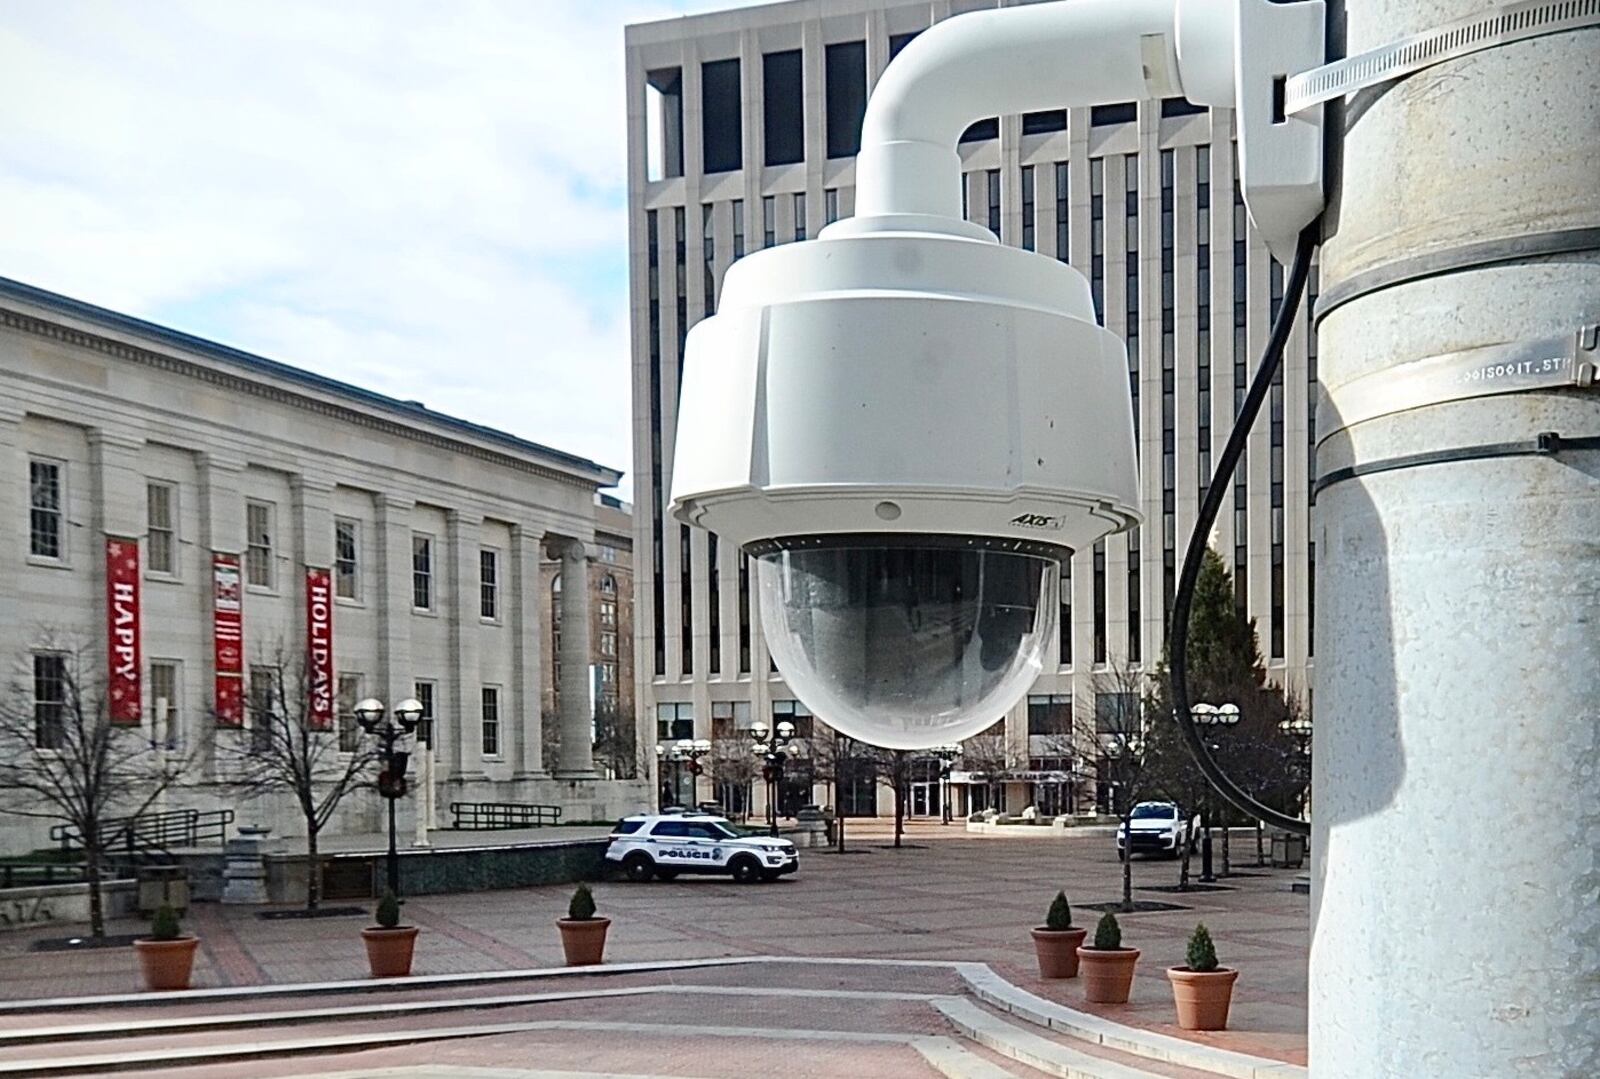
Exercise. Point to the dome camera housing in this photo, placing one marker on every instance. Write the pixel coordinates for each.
(908, 426)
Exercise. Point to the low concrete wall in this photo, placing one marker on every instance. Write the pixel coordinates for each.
(1057, 828)
(44, 904)
(440, 870)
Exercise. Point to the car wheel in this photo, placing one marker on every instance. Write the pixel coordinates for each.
(639, 867)
(666, 874)
(745, 871)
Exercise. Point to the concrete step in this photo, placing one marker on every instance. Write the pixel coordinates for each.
(1049, 1055)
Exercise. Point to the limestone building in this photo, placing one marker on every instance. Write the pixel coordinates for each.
(742, 130)
(247, 485)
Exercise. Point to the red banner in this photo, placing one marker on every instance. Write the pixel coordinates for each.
(122, 629)
(227, 632)
(319, 647)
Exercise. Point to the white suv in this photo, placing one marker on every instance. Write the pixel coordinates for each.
(662, 846)
(1158, 828)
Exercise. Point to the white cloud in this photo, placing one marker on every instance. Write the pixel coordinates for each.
(424, 199)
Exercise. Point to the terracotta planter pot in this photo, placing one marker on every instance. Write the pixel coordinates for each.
(1202, 999)
(166, 964)
(1108, 974)
(584, 942)
(389, 950)
(1057, 950)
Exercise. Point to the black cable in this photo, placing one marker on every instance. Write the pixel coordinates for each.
(1199, 540)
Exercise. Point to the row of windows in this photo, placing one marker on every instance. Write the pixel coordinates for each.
(844, 102)
(268, 717)
(46, 524)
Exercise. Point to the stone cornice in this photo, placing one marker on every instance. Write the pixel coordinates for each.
(67, 335)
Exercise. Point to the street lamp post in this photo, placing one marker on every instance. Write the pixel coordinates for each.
(772, 756)
(1211, 716)
(947, 762)
(390, 729)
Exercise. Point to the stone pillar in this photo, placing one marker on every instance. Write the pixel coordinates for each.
(13, 486)
(1457, 663)
(576, 752)
(464, 751)
(393, 680)
(221, 530)
(526, 710)
(310, 543)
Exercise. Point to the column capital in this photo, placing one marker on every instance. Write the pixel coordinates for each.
(213, 461)
(303, 483)
(101, 438)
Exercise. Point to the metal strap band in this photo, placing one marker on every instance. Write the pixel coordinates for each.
(1545, 444)
(1546, 363)
(1455, 259)
(1501, 25)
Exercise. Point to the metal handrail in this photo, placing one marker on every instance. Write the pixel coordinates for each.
(489, 816)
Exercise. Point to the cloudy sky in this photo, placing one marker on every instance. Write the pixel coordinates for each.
(424, 199)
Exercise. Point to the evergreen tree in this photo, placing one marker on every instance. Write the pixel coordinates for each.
(1225, 667)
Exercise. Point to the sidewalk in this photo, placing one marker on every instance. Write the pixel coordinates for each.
(946, 896)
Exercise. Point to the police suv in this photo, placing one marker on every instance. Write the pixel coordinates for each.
(664, 845)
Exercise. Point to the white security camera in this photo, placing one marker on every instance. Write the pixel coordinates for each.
(908, 425)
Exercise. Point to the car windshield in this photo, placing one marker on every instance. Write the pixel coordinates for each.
(1154, 812)
(721, 829)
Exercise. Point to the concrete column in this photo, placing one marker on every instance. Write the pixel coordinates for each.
(393, 680)
(576, 751)
(221, 530)
(116, 508)
(464, 751)
(13, 486)
(310, 544)
(527, 704)
(1455, 932)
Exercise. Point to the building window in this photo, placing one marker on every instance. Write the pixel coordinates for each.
(608, 585)
(664, 123)
(608, 553)
(1100, 601)
(422, 572)
(708, 259)
(769, 221)
(1063, 212)
(729, 719)
(782, 104)
(263, 708)
(713, 605)
(1202, 289)
(1169, 358)
(830, 205)
(792, 711)
(738, 229)
(1125, 112)
(488, 584)
(1116, 713)
(1135, 540)
(167, 726)
(653, 257)
(1027, 208)
(49, 700)
(744, 613)
(608, 614)
(45, 507)
(491, 721)
(258, 525)
(992, 181)
(721, 127)
(845, 79)
(674, 721)
(1050, 713)
(685, 602)
(1097, 236)
(349, 729)
(608, 644)
(425, 693)
(161, 528)
(982, 130)
(346, 558)
(1064, 629)
(800, 217)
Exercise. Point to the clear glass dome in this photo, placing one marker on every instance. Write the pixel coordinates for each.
(908, 641)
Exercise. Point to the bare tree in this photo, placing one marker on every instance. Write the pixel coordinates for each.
(989, 755)
(734, 764)
(616, 741)
(286, 751)
(839, 760)
(1114, 728)
(62, 759)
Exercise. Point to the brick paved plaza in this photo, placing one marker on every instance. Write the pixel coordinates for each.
(946, 896)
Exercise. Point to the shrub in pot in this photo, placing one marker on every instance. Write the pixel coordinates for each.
(1056, 942)
(1201, 989)
(583, 933)
(390, 945)
(1106, 965)
(166, 956)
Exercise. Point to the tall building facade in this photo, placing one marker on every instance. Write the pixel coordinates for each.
(392, 549)
(742, 130)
